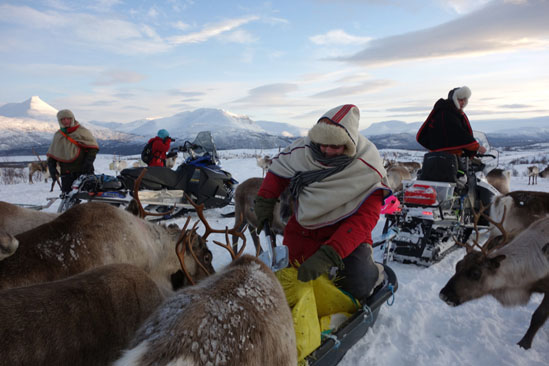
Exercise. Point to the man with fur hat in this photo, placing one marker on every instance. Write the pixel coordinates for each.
(338, 182)
(73, 147)
(447, 127)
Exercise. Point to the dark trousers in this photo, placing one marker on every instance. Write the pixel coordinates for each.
(360, 273)
(66, 181)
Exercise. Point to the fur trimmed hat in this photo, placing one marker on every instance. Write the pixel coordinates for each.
(342, 128)
(65, 113)
(460, 93)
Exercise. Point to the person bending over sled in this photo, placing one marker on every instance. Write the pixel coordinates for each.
(338, 181)
(160, 146)
(74, 148)
(447, 127)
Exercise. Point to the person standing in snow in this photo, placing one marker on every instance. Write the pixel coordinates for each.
(74, 148)
(160, 146)
(447, 127)
(338, 181)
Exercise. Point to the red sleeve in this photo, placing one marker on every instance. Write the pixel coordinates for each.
(357, 229)
(272, 186)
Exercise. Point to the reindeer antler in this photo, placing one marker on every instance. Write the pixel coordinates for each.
(142, 212)
(485, 249)
(209, 230)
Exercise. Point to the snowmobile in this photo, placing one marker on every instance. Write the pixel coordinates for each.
(437, 212)
(162, 189)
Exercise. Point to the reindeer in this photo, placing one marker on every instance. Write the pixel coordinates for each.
(86, 319)
(264, 163)
(533, 172)
(94, 234)
(38, 166)
(395, 175)
(15, 219)
(510, 268)
(244, 197)
(117, 164)
(238, 316)
(500, 179)
(522, 207)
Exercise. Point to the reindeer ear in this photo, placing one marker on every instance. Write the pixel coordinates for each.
(133, 208)
(495, 262)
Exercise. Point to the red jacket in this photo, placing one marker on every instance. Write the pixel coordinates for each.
(344, 236)
(159, 150)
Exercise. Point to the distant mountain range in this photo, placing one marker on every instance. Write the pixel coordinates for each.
(31, 124)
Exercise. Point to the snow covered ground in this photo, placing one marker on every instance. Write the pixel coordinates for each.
(418, 329)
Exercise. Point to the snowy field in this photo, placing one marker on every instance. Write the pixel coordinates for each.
(418, 329)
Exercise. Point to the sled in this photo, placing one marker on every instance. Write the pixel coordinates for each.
(334, 346)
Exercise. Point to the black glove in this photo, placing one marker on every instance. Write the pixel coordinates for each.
(263, 208)
(87, 165)
(321, 262)
(52, 167)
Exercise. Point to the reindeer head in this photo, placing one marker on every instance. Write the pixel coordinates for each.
(477, 273)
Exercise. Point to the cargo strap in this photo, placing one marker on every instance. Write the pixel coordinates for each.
(333, 338)
(368, 315)
(391, 300)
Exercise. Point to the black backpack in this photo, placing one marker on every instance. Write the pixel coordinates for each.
(147, 154)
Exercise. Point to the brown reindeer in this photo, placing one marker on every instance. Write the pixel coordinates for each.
(509, 268)
(86, 319)
(533, 172)
(522, 207)
(40, 167)
(94, 234)
(500, 179)
(239, 316)
(395, 175)
(244, 197)
(15, 219)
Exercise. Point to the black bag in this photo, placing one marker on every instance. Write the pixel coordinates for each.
(439, 167)
(147, 154)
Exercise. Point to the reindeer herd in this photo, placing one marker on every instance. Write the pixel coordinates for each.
(79, 287)
(98, 285)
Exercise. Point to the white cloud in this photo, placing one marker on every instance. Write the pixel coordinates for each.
(238, 36)
(210, 31)
(337, 37)
(363, 88)
(498, 27)
(111, 77)
(270, 95)
(180, 25)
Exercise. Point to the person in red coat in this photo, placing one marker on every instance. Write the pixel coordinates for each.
(338, 182)
(160, 146)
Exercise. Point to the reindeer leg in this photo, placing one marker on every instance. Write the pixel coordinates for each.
(538, 319)
(255, 238)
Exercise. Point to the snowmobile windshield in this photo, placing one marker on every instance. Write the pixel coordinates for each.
(491, 158)
(204, 143)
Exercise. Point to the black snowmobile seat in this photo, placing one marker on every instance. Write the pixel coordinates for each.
(156, 177)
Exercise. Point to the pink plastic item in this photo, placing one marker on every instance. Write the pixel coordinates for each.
(391, 205)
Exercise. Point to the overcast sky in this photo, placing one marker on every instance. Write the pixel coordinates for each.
(285, 61)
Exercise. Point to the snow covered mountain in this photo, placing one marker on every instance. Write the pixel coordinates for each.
(32, 123)
(510, 132)
(228, 129)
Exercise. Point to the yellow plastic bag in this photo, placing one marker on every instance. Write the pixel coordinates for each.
(313, 303)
